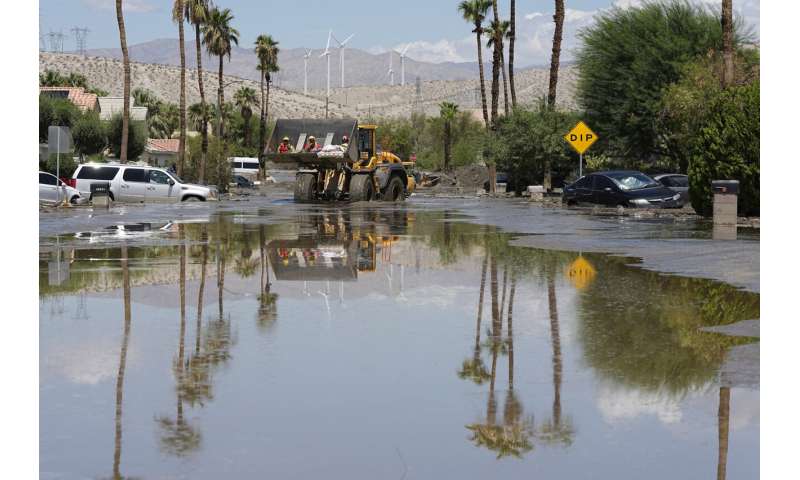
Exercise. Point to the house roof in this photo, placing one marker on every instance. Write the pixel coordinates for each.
(113, 105)
(162, 145)
(77, 95)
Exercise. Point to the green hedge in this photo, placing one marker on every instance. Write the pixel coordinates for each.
(727, 147)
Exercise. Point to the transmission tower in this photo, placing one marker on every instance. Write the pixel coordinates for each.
(80, 39)
(56, 40)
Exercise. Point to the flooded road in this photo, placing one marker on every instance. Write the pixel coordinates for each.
(388, 343)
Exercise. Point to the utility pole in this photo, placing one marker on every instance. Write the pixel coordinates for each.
(80, 39)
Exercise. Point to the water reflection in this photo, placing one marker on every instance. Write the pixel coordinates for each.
(627, 328)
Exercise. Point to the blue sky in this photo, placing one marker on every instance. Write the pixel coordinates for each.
(433, 27)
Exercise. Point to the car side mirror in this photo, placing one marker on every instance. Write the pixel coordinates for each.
(171, 182)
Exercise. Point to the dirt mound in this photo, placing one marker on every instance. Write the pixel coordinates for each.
(471, 176)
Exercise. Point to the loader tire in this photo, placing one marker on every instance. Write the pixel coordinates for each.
(395, 191)
(361, 188)
(305, 188)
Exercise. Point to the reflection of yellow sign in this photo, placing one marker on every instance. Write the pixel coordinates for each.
(581, 137)
(581, 273)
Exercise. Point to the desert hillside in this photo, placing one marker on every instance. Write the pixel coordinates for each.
(377, 100)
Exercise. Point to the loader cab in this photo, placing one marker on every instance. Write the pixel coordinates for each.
(366, 143)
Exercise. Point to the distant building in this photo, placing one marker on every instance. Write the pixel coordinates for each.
(161, 152)
(82, 99)
(109, 106)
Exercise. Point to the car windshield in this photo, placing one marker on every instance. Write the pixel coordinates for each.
(176, 178)
(633, 181)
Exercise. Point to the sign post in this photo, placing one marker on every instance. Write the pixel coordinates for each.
(581, 137)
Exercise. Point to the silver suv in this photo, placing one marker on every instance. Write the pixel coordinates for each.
(138, 183)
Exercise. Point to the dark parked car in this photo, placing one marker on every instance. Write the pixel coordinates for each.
(676, 182)
(241, 182)
(626, 188)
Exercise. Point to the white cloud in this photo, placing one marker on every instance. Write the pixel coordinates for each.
(443, 50)
(128, 6)
(533, 15)
(618, 404)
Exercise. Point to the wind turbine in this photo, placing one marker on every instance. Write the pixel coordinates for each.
(403, 65)
(305, 70)
(391, 71)
(327, 54)
(342, 45)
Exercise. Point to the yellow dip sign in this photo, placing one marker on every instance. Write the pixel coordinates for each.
(581, 137)
(581, 273)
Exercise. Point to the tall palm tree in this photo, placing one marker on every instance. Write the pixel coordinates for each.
(512, 38)
(177, 17)
(497, 57)
(474, 11)
(245, 99)
(504, 26)
(558, 18)
(218, 35)
(266, 49)
(126, 84)
(196, 14)
(727, 42)
(448, 112)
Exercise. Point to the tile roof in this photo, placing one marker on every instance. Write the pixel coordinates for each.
(77, 95)
(169, 145)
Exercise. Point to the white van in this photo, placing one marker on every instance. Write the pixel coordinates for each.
(137, 183)
(244, 166)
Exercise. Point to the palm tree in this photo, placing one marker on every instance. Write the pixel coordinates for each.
(474, 11)
(196, 14)
(497, 57)
(727, 42)
(245, 99)
(267, 52)
(512, 37)
(447, 111)
(177, 17)
(199, 113)
(490, 32)
(126, 85)
(551, 92)
(218, 35)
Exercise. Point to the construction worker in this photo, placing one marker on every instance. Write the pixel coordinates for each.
(312, 146)
(285, 147)
(345, 142)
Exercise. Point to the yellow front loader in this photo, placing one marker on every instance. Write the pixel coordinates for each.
(337, 170)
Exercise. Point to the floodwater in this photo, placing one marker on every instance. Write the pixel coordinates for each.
(348, 343)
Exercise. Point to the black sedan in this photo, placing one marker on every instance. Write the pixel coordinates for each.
(676, 182)
(625, 188)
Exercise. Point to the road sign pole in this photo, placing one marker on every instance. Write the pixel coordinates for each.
(580, 166)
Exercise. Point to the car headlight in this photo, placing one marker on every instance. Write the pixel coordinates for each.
(640, 202)
(677, 196)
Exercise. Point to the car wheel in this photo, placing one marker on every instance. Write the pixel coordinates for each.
(74, 199)
(394, 191)
(192, 199)
(361, 188)
(305, 187)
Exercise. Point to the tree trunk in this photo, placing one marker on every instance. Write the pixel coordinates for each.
(266, 104)
(555, 58)
(201, 176)
(505, 80)
(483, 82)
(126, 85)
(727, 42)
(496, 58)
(446, 146)
(512, 39)
(262, 130)
(182, 106)
(220, 125)
(723, 425)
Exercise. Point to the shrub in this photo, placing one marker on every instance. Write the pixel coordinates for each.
(64, 164)
(55, 111)
(89, 134)
(726, 147)
(627, 59)
(137, 137)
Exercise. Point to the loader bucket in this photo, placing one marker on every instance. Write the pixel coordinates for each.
(327, 132)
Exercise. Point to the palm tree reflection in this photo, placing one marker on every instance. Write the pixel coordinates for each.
(723, 424)
(555, 430)
(178, 437)
(473, 368)
(513, 436)
(267, 301)
(123, 355)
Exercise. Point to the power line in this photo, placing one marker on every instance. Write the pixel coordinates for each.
(80, 39)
